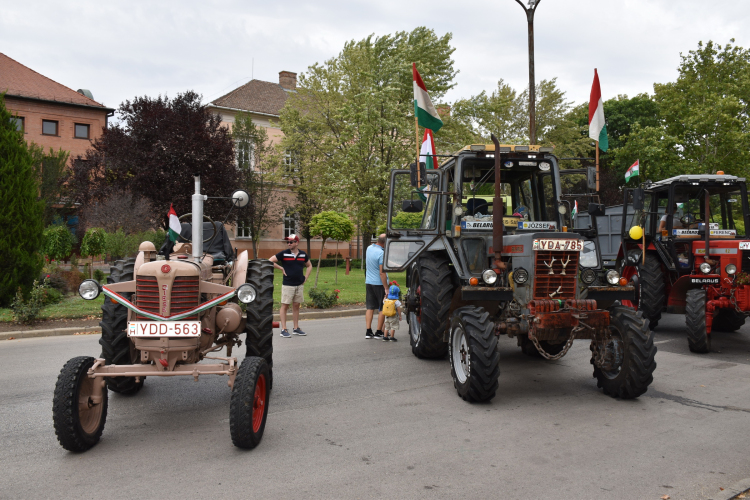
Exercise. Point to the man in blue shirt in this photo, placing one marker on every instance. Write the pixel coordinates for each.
(376, 284)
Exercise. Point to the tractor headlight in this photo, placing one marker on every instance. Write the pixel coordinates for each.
(730, 269)
(705, 268)
(588, 276)
(88, 289)
(520, 275)
(489, 276)
(613, 277)
(246, 293)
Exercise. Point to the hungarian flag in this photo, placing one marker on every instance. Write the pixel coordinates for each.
(632, 171)
(427, 115)
(575, 209)
(174, 224)
(597, 126)
(427, 152)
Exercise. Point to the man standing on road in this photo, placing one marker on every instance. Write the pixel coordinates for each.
(292, 261)
(376, 285)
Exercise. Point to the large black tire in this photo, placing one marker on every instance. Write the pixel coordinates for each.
(475, 362)
(248, 408)
(728, 320)
(652, 289)
(78, 421)
(116, 348)
(529, 349)
(631, 355)
(432, 276)
(259, 324)
(695, 319)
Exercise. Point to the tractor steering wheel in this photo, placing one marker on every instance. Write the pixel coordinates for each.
(689, 219)
(207, 240)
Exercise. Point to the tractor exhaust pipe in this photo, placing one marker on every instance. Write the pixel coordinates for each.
(497, 211)
(198, 220)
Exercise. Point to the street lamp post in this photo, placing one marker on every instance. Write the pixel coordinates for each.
(533, 4)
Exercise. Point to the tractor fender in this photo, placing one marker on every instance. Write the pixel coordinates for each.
(240, 270)
(680, 288)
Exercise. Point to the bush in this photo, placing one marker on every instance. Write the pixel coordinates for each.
(26, 311)
(333, 256)
(322, 299)
(52, 296)
(73, 260)
(99, 275)
(55, 280)
(72, 278)
(332, 263)
(57, 242)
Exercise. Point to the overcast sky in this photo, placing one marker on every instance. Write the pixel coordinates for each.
(120, 49)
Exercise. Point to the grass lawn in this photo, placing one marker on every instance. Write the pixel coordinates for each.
(352, 287)
(352, 291)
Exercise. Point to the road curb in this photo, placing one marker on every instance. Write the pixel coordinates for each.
(732, 491)
(54, 332)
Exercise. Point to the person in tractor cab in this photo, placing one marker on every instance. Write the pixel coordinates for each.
(676, 222)
(291, 262)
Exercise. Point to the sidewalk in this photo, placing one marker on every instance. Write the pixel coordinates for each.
(94, 327)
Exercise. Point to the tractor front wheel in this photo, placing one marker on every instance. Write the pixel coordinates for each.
(248, 408)
(695, 318)
(624, 367)
(728, 320)
(430, 295)
(475, 362)
(652, 288)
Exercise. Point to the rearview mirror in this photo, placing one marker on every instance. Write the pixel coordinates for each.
(240, 198)
(596, 209)
(638, 196)
(412, 206)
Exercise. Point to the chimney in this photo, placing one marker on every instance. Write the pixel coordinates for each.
(288, 80)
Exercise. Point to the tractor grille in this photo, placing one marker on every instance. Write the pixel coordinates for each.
(545, 283)
(185, 295)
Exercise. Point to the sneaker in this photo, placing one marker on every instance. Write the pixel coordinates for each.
(285, 334)
(393, 339)
(386, 339)
(378, 335)
(368, 334)
(298, 331)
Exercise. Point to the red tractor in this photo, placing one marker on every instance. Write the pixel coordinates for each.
(697, 252)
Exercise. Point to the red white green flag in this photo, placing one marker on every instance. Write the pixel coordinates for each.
(633, 171)
(427, 151)
(174, 224)
(597, 125)
(427, 115)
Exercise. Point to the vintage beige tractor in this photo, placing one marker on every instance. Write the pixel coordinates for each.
(165, 315)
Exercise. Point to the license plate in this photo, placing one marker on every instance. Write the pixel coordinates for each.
(744, 245)
(537, 225)
(558, 245)
(164, 329)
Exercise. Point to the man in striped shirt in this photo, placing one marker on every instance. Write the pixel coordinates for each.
(291, 262)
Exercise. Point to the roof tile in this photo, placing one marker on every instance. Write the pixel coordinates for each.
(257, 96)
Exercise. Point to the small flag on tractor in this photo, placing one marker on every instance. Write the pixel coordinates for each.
(425, 112)
(174, 224)
(427, 151)
(633, 171)
(575, 209)
(597, 125)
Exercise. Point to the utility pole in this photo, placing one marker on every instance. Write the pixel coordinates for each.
(533, 4)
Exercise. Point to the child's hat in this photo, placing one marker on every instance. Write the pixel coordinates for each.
(393, 292)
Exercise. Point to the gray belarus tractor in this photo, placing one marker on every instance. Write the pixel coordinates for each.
(163, 315)
(487, 254)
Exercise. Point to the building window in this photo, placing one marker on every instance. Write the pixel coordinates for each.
(18, 120)
(290, 164)
(49, 127)
(243, 152)
(243, 229)
(290, 224)
(82, 131)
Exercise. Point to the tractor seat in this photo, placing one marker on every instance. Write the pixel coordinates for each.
(220, 249)
(475, 205)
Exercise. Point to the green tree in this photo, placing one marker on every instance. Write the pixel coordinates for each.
(57, 242)
(258, 164)
(51, 170)
(331, 225)
(22, 213)
(94, 243)
(354, 115)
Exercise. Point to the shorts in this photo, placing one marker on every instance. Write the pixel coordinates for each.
(374, 295)
(291, 294)
(391, 323)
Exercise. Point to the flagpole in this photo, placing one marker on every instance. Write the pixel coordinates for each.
(419, 170)
(597, 166)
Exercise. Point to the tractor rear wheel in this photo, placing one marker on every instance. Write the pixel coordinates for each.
(728, 320)
(248, 408)
(695, 318)
(628, 361)
(116, 346)
(430, 295)
(259, 324)
(652, 287)
(475, 362)
(78, 417)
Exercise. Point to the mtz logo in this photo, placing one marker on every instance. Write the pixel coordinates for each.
(704, 281)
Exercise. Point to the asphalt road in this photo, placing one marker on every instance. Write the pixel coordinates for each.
(356, 418)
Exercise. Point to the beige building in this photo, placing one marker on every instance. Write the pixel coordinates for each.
(264, 101)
